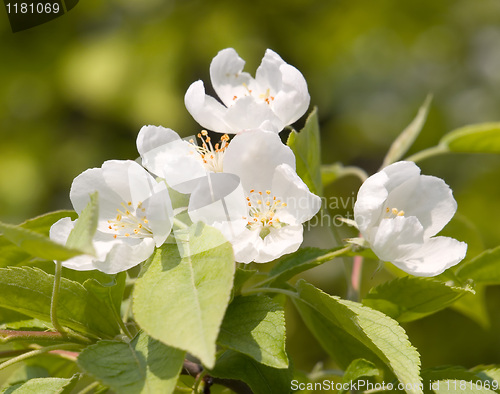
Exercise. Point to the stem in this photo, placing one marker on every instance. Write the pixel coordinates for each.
(13, 335)
(55, 298)
(426, 153)
(319, 260)
(356, 278)
(37, 352)
(355, 171)
(124, 328)
(89, 388)
(180, 224)
(315, 376)
(120, 322)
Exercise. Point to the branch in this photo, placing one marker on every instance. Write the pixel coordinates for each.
(37, 352)
(192, 369)
(14, 335)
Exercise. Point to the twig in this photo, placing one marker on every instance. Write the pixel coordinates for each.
(55, 298)
(192, 369)
(36, 352)
(14, 335)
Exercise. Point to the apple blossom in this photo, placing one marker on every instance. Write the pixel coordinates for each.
(266, 222)
(135, 215)
(277, 96)
(399, 212)
(180, 162)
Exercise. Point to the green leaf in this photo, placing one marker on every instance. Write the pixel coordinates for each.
(474, 306)
(407, 137)
(241, 276)
(303, 259)
(306, 146)
(24, 373)
(410, 298)
(44, 385)
(25, 324)
(181, 298)
(331, 172)
(110, 293)
(430, 376)
(484, 269)
(476, 138)
(459, 387)
(144, 365)
(357, 369)
(260, 378)
(80, 238)
(255, 326)
(490, 373)
(29, 290)
(42, 224)
(36, 244)
(13, 254)
(358, 324)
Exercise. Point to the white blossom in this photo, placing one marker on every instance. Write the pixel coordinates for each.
(266, 220)
(135, 215)
(399, 212)
(275, 98)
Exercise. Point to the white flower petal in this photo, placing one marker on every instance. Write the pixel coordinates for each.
(227, 77)
(217, 197)
(248, 113)
(301, 204)
(112, 255)
(269, 74)
(88, 182)
(254, 155)
(128, 179)
(279, 242)
(288, 86)
(150, 138)
(245, 246)
(159, 212)
(397, 238)
(59, 233)
(125, 255)
(206, 110)
(428, 198)
(398, 173)
(369, 206)
(434, 257)
(219, 201)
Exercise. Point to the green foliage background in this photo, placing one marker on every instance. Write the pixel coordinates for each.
(75, 91)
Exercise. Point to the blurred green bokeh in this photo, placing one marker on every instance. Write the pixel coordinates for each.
(74, 92)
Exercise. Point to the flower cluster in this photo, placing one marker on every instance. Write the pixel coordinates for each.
(246, 186)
